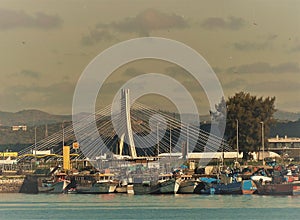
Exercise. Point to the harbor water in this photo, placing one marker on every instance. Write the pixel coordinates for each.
(123, 206)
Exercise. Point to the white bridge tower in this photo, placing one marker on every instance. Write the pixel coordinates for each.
(127, 133)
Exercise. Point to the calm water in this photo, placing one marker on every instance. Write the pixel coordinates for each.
(117, 206)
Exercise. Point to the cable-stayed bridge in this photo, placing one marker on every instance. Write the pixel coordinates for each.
(135, 131)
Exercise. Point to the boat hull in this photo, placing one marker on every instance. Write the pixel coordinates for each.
(231, 188)
(58, 187)
(187, 186)
(167, 187)
(278, 189)
(98, 188)
(242, 187)
(121, 189)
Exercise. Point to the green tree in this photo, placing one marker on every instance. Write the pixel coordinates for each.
(249, 111)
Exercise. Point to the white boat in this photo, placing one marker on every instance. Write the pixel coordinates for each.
(166, 184)
(104, 183)
(57, 184)
(188, 184)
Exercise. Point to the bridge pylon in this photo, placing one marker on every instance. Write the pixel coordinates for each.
(125, 113)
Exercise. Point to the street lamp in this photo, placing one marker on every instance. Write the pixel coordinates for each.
(263, 141)
(63, 133)
(237, 140)
(157, 138)
(187, 139)
(170, 141)
(35, 141)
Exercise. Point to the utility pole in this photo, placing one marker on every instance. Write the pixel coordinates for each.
(263, 141)
(46, 130)
(237, 140)
(35, 141)
(187, 140)
(157, 138)
(63, 134)
(170, 141)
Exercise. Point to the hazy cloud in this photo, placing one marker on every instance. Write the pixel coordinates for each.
(251, 45)
(271, 86)
(14, 19)
(146, 21)
(30, 74)
(176, 71)
(238, 84)
(108, 87)
(25, 74)
(272, 37)
(142, 24)
(295, 49)
(230, 23)
(263, 67)
(151, 19)
(185, 78)
(96, 36)
(132, 72)
(264, 44)
(217, 70)
(52, 97)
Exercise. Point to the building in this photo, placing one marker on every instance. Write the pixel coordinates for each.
(288, 147)
(7, 158)
(19, 128)
(282, 143)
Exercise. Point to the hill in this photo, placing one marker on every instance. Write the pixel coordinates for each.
(31, 118)
(291, 129)
(286, 116)
(39, 119)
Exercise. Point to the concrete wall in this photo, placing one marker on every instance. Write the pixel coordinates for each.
(11, 184)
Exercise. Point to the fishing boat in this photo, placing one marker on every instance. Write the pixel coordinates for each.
(57, 187)
(280, 184)
(166, 184)
(57, 183)
(274, 189)
(187, 184)
(223, 189)
(98, 184)
(215, 186)
(142, 188)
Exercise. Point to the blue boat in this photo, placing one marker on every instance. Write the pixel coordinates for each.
(214, 186)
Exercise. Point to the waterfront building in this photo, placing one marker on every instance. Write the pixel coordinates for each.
(287, 147)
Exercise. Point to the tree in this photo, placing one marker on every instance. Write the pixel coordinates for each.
(250, 111)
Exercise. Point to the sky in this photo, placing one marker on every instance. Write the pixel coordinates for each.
(252, 46)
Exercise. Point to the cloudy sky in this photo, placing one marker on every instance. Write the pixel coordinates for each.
(253, 46)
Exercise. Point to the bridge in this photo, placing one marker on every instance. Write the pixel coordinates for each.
(134, 132)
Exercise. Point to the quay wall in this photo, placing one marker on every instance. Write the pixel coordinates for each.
(11, 184)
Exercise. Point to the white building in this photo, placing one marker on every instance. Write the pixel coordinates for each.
(19, 128)
(283, 143)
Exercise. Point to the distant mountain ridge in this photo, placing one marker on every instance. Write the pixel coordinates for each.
(286, 125)
(36, 117)
(30, 118)
(286, 116)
